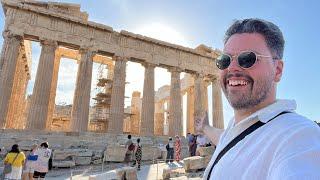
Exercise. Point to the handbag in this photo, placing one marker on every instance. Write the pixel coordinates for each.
(8, 167)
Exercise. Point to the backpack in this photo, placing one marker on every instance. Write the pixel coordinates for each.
(131, 147)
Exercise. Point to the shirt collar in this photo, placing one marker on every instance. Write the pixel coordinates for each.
(267, 113)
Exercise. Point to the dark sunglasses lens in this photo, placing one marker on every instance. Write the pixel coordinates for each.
(223, 61)
(247, 59)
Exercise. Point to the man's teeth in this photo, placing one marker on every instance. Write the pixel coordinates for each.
(237, 82)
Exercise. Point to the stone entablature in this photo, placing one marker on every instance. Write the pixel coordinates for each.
(39, 22)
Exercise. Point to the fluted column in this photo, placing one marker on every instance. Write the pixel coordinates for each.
(190, 110)
(10, 53)
(217, 107)
(38, 111)
(81, 98)
(200, 95)
(53, 90)
(147, 114)
(11, 120)
(175, 108)
(117, 96)
(159, 118)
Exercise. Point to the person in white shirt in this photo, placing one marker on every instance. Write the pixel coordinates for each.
(285, 145)
(41, 166)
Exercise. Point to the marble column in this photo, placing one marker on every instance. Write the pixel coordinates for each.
(11, 49)
(175, 108)
(200, 95)
(11, 120)
(81, 98)
(117, 96)
(190, 110)
(147, 114)
(38, 111)
(217, 107)
(159, 118)
(136, 112)
(53, 91)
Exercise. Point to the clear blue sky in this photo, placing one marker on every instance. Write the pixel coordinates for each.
(206, 21)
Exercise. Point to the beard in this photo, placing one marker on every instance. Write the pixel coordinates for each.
(256, 92)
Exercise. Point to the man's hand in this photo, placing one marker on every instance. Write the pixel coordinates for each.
(201, 122)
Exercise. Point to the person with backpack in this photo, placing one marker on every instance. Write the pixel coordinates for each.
(13, 162)
(28, 169)
(130, 149)
(170, 150)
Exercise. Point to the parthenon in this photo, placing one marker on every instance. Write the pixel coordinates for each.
(65, 31)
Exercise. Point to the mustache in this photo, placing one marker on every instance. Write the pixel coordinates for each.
(230, 75)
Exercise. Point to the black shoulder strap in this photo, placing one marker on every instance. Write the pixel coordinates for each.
(237, 139)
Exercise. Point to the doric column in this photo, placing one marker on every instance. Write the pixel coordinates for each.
(175, 108)
(81, 98)
(38, 111)
(117, 96)
(10, 53)
(190, 110)
(159, 118)
(136, 112)
(11, 120)
(217, 107)
(147, 114)
(53, 90)
(200, 95)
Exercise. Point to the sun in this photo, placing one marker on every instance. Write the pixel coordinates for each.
(162, 32)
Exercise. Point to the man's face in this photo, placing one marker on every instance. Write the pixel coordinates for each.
(246, 88)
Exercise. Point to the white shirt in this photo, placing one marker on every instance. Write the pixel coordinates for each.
(288, 147)
(41, 165)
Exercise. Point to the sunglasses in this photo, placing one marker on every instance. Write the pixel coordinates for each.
(246, 60)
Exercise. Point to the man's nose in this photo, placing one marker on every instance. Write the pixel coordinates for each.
(234, 66)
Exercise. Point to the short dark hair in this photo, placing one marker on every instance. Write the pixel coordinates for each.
(129, 136)
(271, 32)
(44, 144)
(15, 149)
(138, 140)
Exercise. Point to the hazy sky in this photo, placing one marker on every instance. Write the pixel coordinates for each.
(191, 23)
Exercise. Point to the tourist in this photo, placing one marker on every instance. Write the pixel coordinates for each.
(42, 163)
(193, 145)
(129, 150)
(177, 147)
(138, 154)
(280, 143)
(170, 150)
(28, 169)
(202, 141)
(16, 158)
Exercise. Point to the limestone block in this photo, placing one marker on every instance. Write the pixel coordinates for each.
(150, 152)
(206, 151)
(63, 154)
(115, 153)
(82, 160)
(193, 163)
(173, 172)
(97, 161)
(63, 164)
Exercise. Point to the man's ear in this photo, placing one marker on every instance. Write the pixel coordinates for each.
(279, 68)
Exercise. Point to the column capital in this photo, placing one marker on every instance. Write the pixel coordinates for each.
(174, 69)
(148, 65)
(49, 42)
(10, 34)
(86, 49)
(198, 75)
(120, 58)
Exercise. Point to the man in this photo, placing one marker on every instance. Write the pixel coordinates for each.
(42, 163)
(130, 148)
(285, 145)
